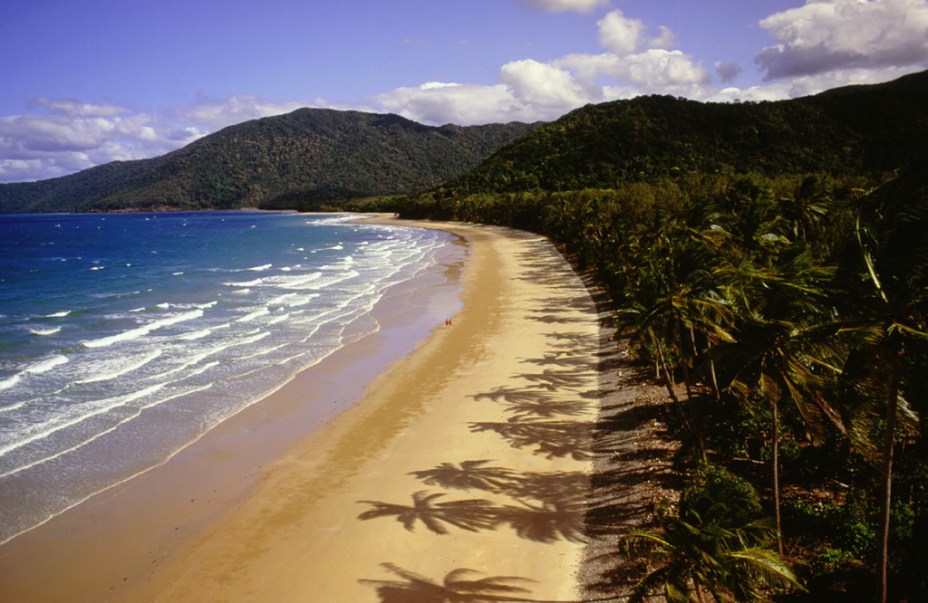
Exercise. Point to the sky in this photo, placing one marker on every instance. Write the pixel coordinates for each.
(86, 82)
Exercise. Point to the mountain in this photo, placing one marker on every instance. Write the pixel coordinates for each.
(308, 155)
(856, 129)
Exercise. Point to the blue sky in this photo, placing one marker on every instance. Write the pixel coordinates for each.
(85, 82)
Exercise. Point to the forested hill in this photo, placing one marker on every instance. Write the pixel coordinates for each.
(857, 129)
(282, 161)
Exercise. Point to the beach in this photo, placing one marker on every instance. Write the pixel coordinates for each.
(465, 467)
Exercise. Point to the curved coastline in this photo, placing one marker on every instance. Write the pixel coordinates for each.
(470, 458)
(80, 553)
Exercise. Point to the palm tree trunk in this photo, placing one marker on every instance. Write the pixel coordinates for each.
(715, 381)
(691, 406)
(665, 372)
(776, 474)
(887, 475)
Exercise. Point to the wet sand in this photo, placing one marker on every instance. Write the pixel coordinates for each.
(464, 468)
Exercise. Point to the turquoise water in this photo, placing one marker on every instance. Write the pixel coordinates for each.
(124, 337)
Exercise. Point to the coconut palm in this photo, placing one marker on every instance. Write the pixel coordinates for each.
(714, 547)
(889, 305)
(784, 351)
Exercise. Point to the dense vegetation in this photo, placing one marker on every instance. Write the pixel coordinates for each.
(297, 161)
(859, 129)
(794, 311)
(784, 304)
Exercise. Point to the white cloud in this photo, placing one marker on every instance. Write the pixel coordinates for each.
(834, 35)
(619, 34)
(667, 38)
(542, 85)
(464, 104)
(530, 90)
(813, 84)
(67, 106)
(560, 6)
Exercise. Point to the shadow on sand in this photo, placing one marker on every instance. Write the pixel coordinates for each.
(589, 402)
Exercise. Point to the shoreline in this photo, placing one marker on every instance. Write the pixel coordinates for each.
(133, 525)
(474, 457)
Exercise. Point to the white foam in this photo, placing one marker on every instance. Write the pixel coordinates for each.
(38, 368)
(43, 366)
(261, 268)
(196, 335)
(45, 332)
(111, 429)
(143, 330)
(254, 315)
(61, 314)
(120, 367)
(278, 319)
(303, 300)
(253, 283)
(75, 416)
(10, 382)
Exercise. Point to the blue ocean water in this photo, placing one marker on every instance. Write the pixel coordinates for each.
(124, 337)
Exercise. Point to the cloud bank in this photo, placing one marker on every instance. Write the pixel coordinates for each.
(820, 45)
(827, 36)
(635, 60)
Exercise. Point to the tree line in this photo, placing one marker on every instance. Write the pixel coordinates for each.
(788, 319)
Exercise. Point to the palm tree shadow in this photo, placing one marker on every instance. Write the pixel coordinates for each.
(513, 395)
(562, 359)
(458, 586)
(471, 515)
(556, 488)
(469, 475)
(554, 439)
(548, 522)
(554, 379)
(547, 409)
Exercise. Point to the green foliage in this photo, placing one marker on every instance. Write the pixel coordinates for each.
(753, 291)
(302, 160)
(716, 543)
(861, 129)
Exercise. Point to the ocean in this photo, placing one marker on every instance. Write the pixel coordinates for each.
(125, 337)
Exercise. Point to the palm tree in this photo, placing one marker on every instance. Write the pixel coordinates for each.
(784, 351)
(715, 545)
(890, 306)
(675, 298)
(806, 209)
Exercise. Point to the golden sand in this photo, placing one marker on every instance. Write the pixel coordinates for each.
(464, 468)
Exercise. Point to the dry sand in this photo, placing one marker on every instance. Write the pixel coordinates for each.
(465, 469)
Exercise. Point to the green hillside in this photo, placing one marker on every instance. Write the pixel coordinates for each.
(283, 161)
(858, 129)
